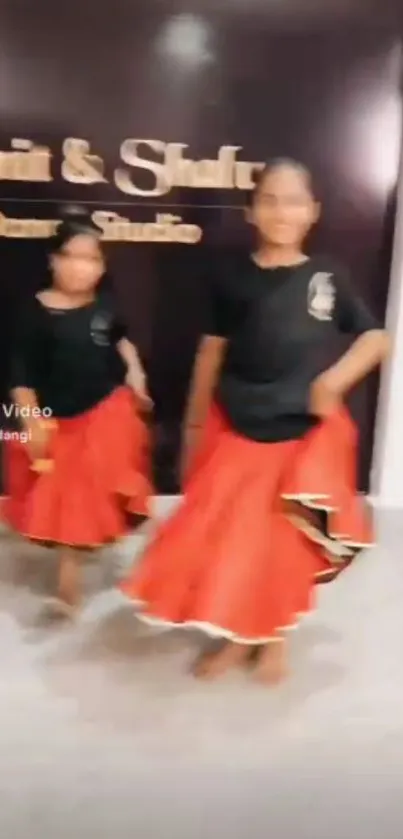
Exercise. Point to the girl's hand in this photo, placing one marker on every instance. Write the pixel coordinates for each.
(139, 388)
(38, 438)
(325, 397)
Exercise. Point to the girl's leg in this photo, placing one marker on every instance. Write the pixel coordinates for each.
(272, 662)
(69, 578)
(212, 664)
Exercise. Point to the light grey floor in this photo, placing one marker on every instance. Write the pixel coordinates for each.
(104, 734)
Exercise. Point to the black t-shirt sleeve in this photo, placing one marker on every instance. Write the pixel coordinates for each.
(26, 344)
(107, 301)
(351, 313)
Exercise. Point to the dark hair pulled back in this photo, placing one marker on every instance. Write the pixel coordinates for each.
(74, 221)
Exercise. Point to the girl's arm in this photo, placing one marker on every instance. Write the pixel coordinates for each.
(369, 349)
(206, 369)
(366, 353)
(135, 372)
(37, 428)
(205, 374)
(23, 360)
(136, 377)
(22, 377)
(217, 325)
(25, 397)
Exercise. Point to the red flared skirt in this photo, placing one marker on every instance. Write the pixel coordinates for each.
(237, 559)
(97, 479)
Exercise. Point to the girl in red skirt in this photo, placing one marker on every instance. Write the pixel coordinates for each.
(270, 505)
(77, 386)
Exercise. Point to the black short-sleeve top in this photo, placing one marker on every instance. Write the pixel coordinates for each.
(278, 323)
(69, 357)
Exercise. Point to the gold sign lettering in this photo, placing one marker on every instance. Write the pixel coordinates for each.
(79, 165)
(175, 170)
(130, 156)
(151, 168)
(244, 173)
(26, 162)
(166, 228)
(21, 228)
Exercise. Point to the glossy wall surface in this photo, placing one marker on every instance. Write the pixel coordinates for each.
(322, 86)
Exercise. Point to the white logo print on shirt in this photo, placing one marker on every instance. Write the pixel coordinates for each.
(321, 296)
(100, 326)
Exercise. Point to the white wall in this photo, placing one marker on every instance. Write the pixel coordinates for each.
(387, 470)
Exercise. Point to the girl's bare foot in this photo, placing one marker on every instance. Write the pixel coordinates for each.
(58, 609)
(67, 600)
(253, 657)
(213, 664)
(271, 667)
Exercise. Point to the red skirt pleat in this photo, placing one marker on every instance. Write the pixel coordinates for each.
(97, 482)
(230, 561)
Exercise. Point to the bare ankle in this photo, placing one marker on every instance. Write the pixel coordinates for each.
(212, 664)
(272, 663)
(68, 589)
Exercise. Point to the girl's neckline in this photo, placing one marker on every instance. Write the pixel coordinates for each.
(302, 261)
(63, 309)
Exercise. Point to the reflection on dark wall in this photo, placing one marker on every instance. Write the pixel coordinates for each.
(325, 90)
